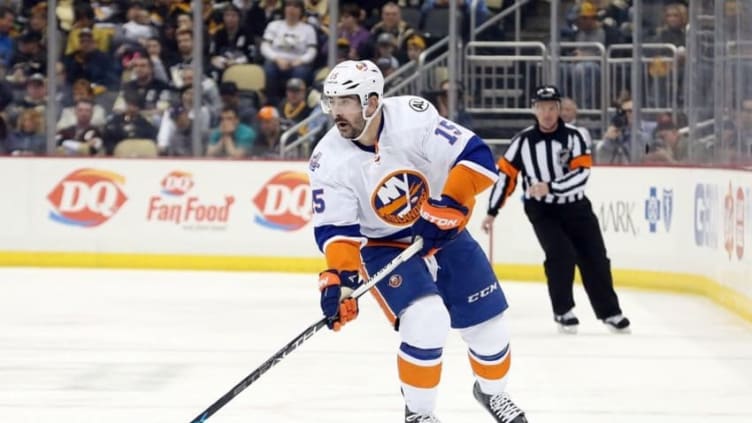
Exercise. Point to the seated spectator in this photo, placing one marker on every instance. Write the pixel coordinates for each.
(343, 50)
(163, 12)
(569, 115)
(294, 107)
(174, 136)
(386, 66)
(184, 37)
(317, 11)
(82, 138)
(89, 63)
(392, 23)
(7, 44)
(155, 95)
(582, 78)
(351, 30)
(736, 136)
(231, 98)
(415, 46)
(129, 123)
(289, 47)
(29, 59)
(38, 22)
(154, 51)
(138, 29)
(660, 70)
(82, 90)
(231, 139)
(212, 20)
(209, 92)
(616, 147)
(84, 20)
(270, 131)
(34, 97)
(231, 44)
(386, 48)
(260, 15)
(666, 146)
(28, 139)
(615, 15)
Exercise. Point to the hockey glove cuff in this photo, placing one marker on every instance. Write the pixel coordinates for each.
(440, 222)
(336, 304)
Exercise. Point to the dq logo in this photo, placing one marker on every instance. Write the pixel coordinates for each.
(284, 202)
(398, 197)
(87, 197)
(177, 183)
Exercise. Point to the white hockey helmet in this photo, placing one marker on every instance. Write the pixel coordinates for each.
(361, 78)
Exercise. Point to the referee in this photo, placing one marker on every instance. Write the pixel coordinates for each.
(555, 164)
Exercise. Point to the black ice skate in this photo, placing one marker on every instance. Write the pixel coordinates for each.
(500, 406)
(617, 323)
(568, 322)
(411, 417)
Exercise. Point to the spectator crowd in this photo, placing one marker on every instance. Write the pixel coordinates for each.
(124, 70)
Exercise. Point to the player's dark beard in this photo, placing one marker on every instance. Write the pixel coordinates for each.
(351, 130)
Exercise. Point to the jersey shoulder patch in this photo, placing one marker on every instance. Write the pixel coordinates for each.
(418, 104)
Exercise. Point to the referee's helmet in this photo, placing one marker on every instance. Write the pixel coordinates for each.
(546, 93)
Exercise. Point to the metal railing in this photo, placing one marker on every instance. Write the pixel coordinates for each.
(415, 77)
(304, 141)
(498, 75)
(660, 70)
(584, 78)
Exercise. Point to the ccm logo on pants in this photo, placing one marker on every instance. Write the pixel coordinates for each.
(483, 292)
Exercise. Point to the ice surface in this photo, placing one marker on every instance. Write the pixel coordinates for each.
(111, 346)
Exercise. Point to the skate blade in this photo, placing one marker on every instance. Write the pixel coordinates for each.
(626, 331)
(568, 330)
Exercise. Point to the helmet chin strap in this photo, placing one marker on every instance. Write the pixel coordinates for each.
(368, 121)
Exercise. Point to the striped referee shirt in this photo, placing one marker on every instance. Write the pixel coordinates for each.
(561, 158)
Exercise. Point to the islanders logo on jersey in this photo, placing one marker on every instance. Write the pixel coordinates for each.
(398, 197)
(87, 197)
(284, 202)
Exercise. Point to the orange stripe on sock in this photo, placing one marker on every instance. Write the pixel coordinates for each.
(491, 371)
(418, 376)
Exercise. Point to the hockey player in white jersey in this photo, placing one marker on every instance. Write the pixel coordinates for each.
(390, 170)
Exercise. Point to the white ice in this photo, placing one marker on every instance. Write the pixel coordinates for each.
(110, 346)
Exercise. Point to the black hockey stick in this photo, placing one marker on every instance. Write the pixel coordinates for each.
(410, 251)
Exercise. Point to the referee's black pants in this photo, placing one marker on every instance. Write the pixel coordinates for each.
(570, 234)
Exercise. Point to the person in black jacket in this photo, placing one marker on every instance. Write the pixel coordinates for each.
(128, 124)
(555, 162)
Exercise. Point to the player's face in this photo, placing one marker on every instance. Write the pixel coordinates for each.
(547, 113)
(348, 115)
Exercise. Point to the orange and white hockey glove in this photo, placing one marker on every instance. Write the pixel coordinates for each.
(440, 222)
(336, 287)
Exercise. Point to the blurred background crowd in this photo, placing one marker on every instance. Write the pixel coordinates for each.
(124, 70)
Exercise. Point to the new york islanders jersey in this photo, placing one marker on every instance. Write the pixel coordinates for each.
(365, 193)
